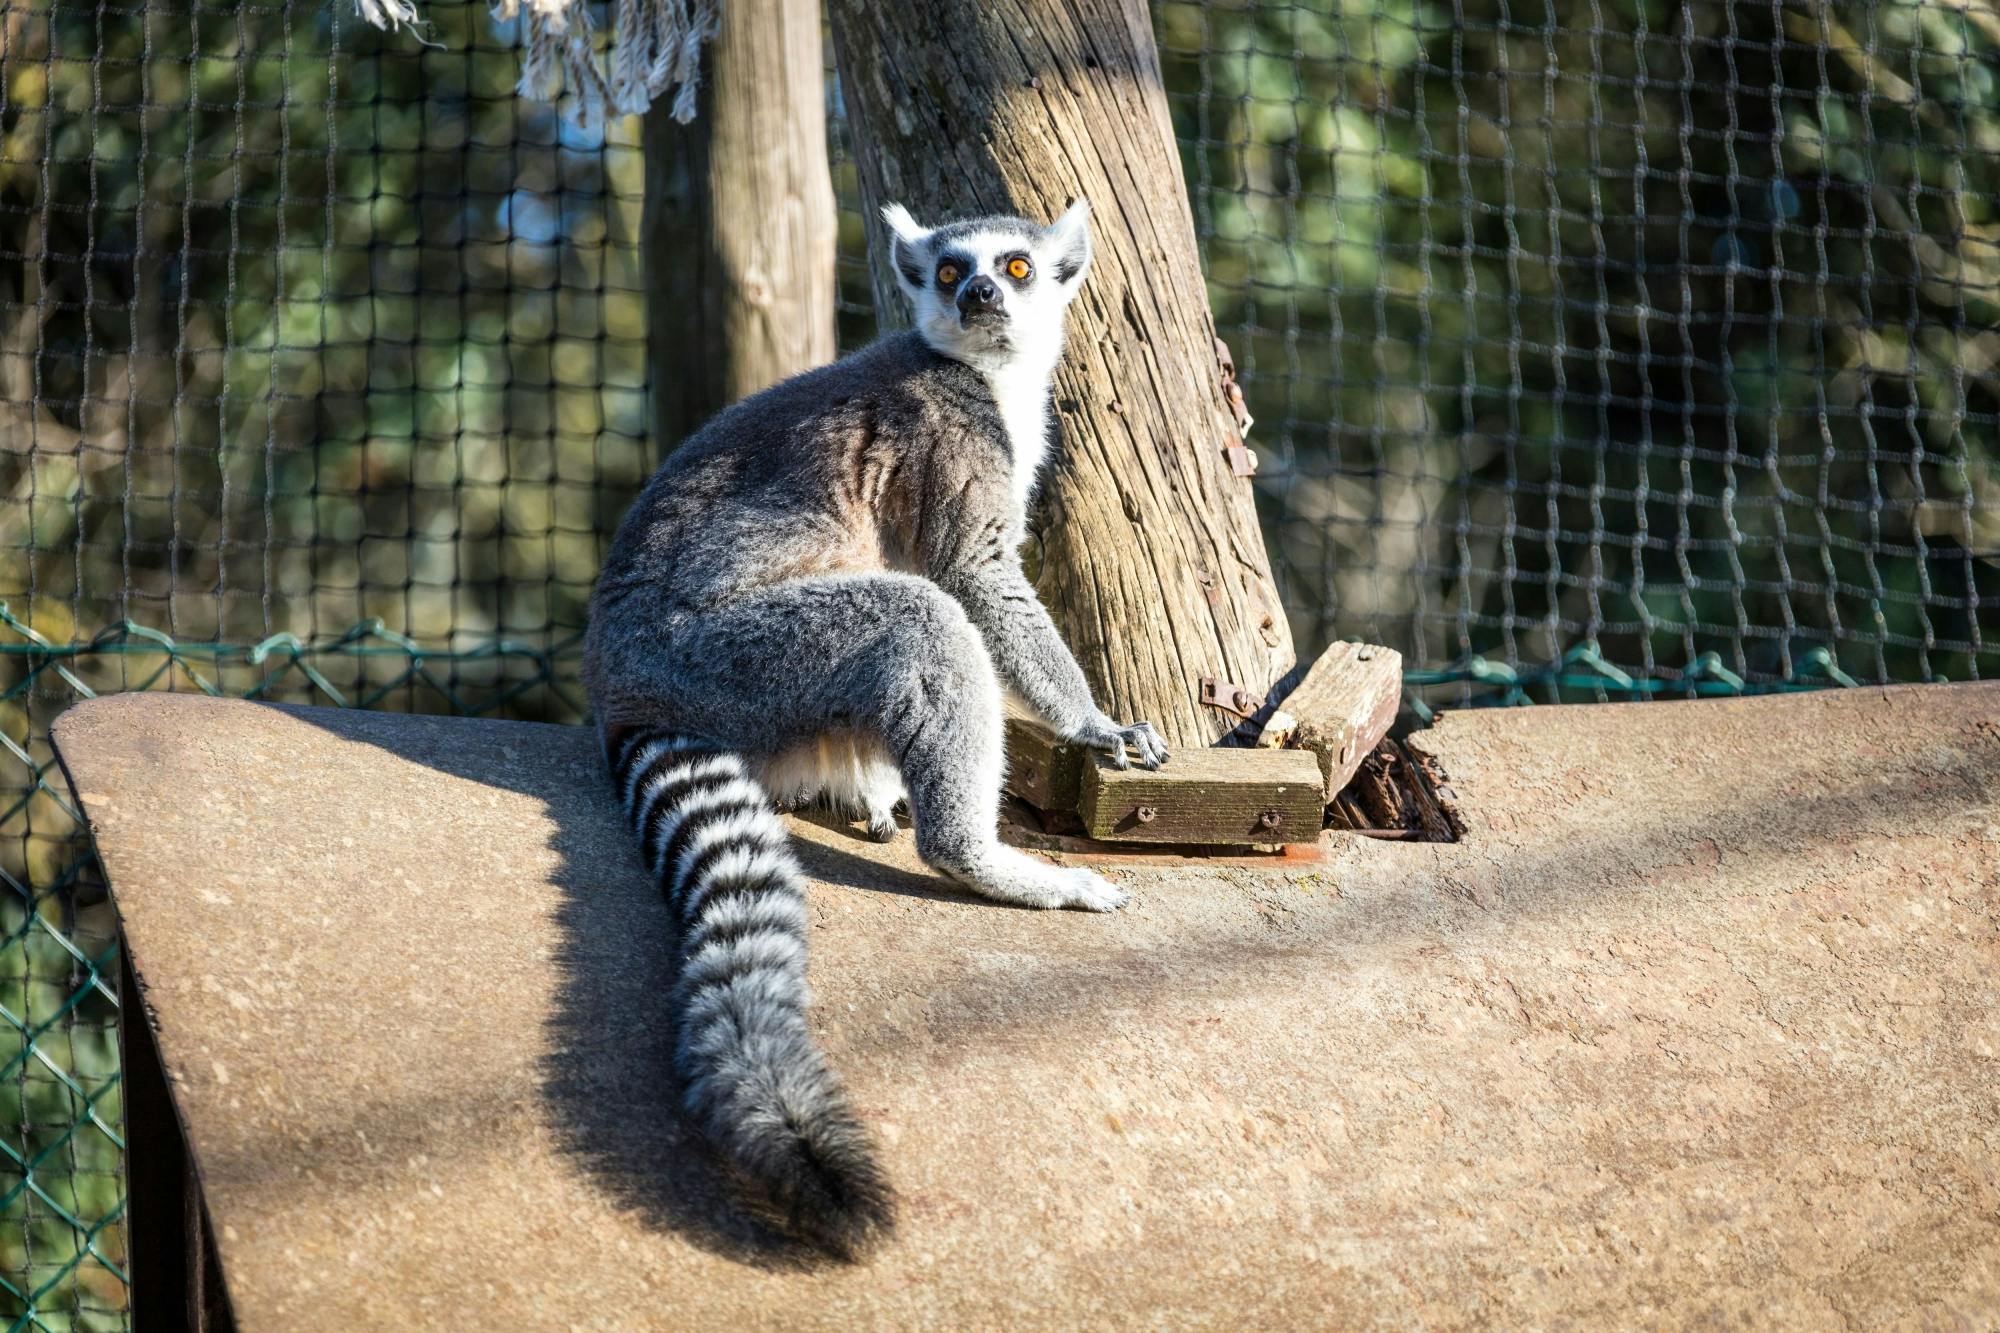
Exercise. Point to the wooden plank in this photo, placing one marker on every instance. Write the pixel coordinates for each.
(1096, 852)
(1211, 797)
(1041, 770)
(1341, 710)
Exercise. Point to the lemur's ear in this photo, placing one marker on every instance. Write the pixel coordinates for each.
(905, 238)
(1068, 240)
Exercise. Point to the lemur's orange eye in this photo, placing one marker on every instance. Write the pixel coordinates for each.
(1018, 268)
(947, 274)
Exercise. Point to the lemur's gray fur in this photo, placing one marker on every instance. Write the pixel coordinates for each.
(820, 597)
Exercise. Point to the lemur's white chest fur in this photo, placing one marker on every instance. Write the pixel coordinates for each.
(1022, 395)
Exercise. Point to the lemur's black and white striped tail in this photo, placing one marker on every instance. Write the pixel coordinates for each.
(750, 1075)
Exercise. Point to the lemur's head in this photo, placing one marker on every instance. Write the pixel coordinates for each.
(991, 292)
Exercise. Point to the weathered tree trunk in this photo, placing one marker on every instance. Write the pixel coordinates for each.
(1152, 562)
(739, 223)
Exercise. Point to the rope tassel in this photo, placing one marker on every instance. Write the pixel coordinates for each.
(655, 45)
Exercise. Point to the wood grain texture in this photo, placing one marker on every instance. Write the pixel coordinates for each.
(1041, 769)
(1206, 797)
(1399, 788)
(1344, 707)
(1150, 556)
(739, 222)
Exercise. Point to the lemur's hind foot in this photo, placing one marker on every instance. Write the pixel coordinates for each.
(881, 792)
(1009, 876)
(882, 826)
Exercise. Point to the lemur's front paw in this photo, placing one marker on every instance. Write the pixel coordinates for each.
(1102, 733)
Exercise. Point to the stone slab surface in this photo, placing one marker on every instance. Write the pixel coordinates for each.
(1699, 1025)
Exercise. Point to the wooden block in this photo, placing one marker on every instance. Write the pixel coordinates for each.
(1343, 708)
(1041, 770)
(1207, 797)
(1278, 731)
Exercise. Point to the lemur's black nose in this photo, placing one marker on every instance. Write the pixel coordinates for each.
(981, 291)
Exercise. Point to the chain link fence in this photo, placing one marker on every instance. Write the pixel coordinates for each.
(1614, 347)
(321, 379)
(1618, 349)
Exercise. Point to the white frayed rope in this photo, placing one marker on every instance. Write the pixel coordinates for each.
(655, 45)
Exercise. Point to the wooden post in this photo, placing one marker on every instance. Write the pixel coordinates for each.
(1151, 559)
(739, 222)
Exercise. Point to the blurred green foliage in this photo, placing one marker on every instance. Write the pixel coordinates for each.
(289, 341)
(1663, 328)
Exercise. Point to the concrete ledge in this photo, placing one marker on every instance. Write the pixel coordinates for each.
(1699, 1024)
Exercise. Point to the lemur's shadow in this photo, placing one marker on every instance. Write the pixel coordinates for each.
(607, 1079)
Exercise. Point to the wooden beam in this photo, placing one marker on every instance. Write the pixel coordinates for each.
(740, 229)
(1341, 710)
(1041, 770)
(1208, 797)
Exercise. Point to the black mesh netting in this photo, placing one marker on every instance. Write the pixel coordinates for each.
(1617, 349)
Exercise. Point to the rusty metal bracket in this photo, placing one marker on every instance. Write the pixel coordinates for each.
(1232, 392)
(1230, 697)
(1241, 461)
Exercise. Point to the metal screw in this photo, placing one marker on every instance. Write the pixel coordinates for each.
(1243, 700)
(1147, 814)
(1270, 819)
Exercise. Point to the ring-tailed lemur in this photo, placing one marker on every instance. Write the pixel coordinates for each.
(820, 596)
